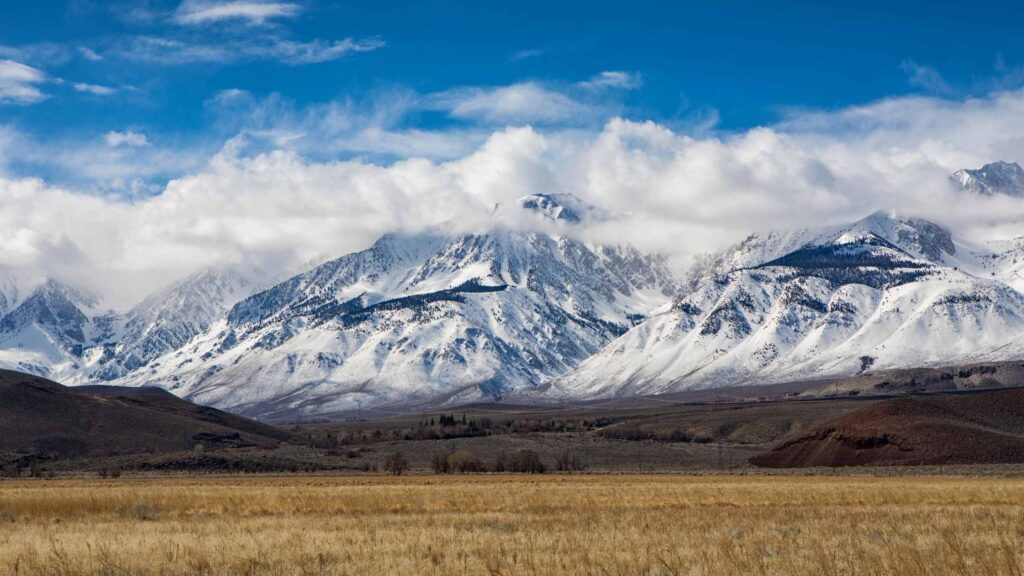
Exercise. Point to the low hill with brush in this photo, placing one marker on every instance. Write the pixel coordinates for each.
(42, 418)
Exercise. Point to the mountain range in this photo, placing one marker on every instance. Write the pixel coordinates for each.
(530, 312)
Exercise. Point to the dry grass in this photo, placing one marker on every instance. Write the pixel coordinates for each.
(514, 525)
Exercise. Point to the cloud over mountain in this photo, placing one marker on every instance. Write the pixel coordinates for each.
(277, 205)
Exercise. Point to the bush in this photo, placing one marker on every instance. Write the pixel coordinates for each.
(570, 461)
(439, 463)
(527, 462)
(464, 462)
(109, 472)
(501, 463)
(395, 463)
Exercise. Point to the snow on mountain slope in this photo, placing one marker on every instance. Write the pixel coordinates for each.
(418, 317)
(48, 330)
(917, 237)
(58, 331)
(995, 178)
(9, 294)
(1003, 260)
(878, 294)
(170, 318)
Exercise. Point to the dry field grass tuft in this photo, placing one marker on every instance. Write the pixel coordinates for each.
(619, 525)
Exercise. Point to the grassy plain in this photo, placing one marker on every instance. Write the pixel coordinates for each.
(487, 524)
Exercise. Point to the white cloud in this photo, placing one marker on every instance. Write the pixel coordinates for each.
(110, 164)
(94, 89)
(674, 193)
(19, 84)
(38, 54)
(528, 102)
(925, 78)
(316, 51)
(525, 54)
(89, 54)
(373, 127)
(169, 51)
(613, 79)
(200, 12)
(115, 139)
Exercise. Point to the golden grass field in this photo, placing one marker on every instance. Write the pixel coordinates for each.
(513, 525)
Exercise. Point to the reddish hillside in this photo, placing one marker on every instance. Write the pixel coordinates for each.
(980, 428)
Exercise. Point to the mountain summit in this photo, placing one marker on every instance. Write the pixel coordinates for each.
(995, 178)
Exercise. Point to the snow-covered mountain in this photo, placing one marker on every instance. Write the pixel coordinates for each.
(423, 317)
(169, 319)
(559, 207)
(60, 331)
(995, 178)
(433, 316)
(48, 332)
(884, 292)
(522, 308)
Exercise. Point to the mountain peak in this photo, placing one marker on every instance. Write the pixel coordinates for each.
(917, 236)
(995, 178)
(55, 310)
(557, 207)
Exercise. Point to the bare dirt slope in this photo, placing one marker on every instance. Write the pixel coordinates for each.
(978, 428)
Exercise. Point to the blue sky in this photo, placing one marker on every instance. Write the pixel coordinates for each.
(142, 140)
(164, 69)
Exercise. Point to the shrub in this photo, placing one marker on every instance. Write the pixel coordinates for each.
(395, 463)
(109, 472)
(569, 461)
(464, 462)
(528, 462)
(501, 462)
(439, 463)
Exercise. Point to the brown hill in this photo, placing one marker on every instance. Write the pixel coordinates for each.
(975, 428)
(42, 418)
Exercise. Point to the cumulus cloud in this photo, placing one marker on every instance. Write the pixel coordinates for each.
(200, 12)
(275, 206)
(19, 84)
(613, 79)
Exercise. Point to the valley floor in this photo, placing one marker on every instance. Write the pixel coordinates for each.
(509, 524)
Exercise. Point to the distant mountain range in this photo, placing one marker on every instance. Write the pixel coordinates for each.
(441, 317)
